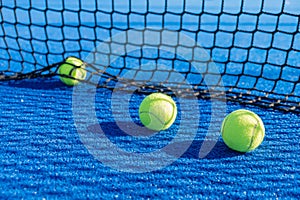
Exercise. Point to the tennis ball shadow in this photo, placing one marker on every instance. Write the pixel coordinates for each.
(220, 150)
(111, 129)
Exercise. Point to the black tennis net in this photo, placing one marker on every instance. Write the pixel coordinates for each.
(254, 44)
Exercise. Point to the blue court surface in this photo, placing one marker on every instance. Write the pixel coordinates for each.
(42, 155)
(77, 143)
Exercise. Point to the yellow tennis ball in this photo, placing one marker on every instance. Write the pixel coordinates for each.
(243, 130)
(74, 68)
(158, 111)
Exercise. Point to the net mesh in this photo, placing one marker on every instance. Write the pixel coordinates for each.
(255, 45)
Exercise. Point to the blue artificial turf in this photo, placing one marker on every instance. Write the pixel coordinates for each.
(42, 156)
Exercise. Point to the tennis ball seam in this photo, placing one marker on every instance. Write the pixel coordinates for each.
(74, 73)
(171, 118)
(70, 74)
(155, 100)
(174, 110)
(256, 126)
(145, 112)
(252, 136)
